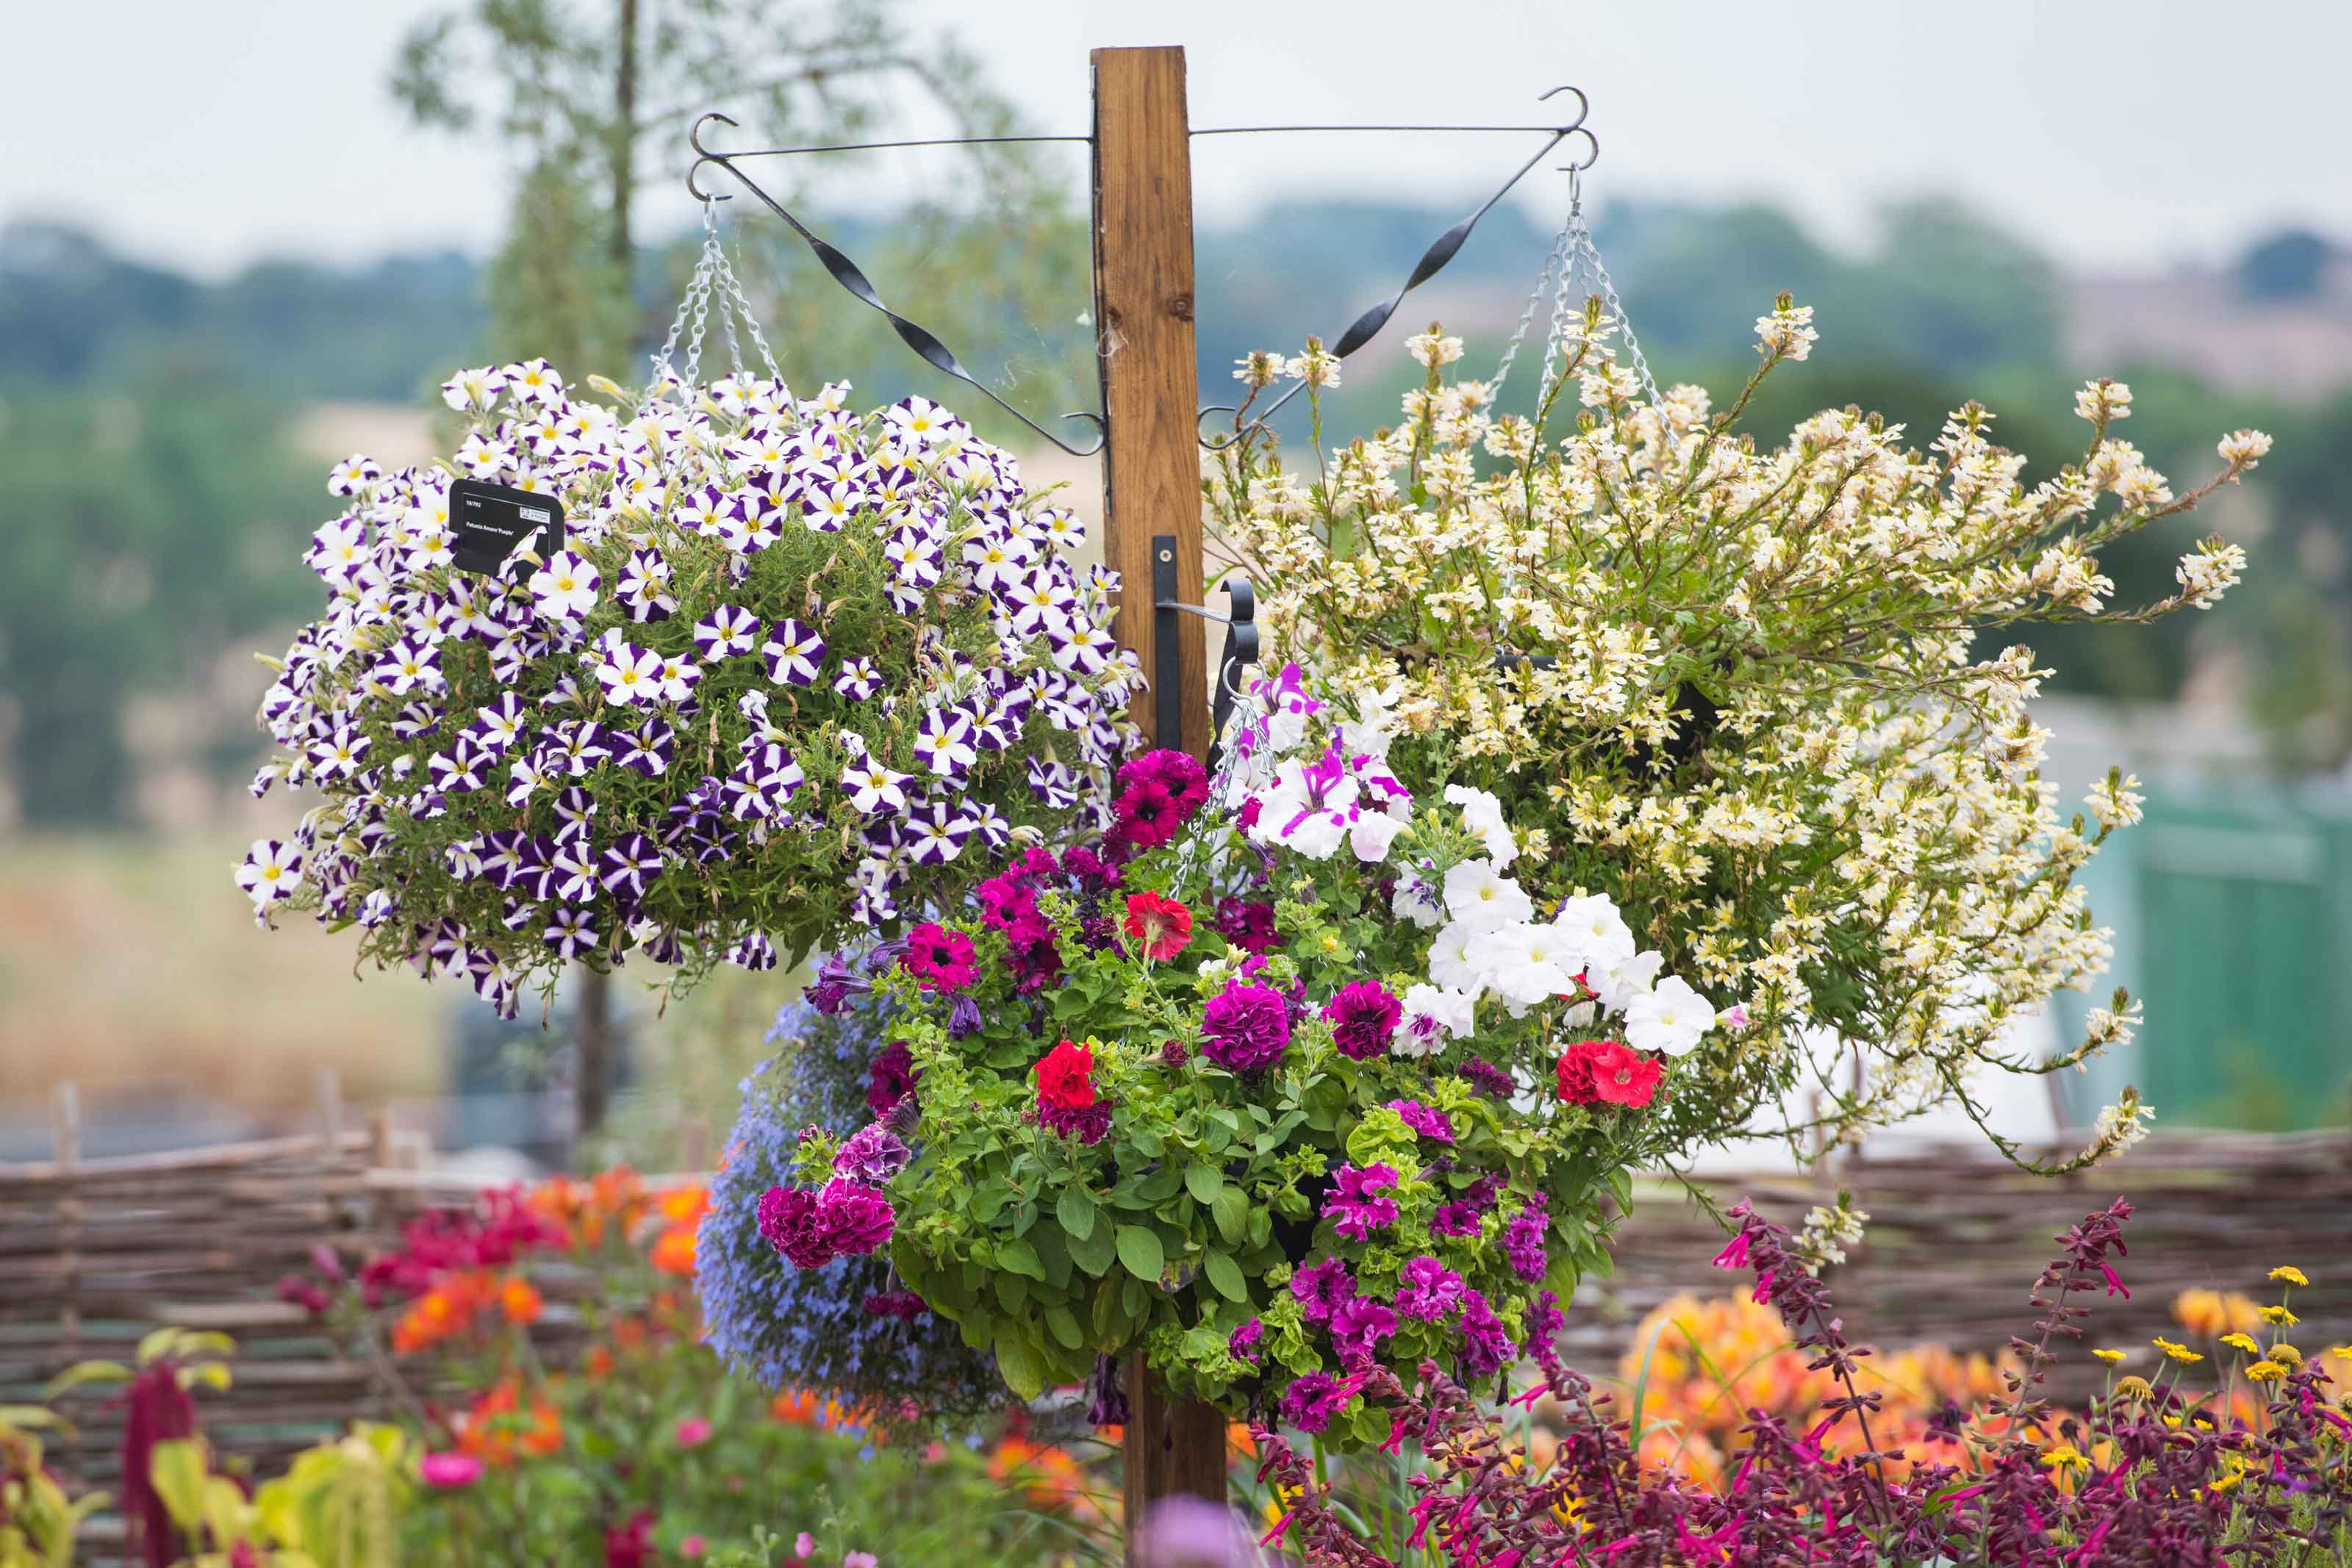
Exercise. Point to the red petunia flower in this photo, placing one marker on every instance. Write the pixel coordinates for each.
(1616, 1073)
(1160, 927)
(1066, 1077)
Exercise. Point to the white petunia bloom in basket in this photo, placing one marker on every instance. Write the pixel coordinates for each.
(1483, 899)
(1670, 1018)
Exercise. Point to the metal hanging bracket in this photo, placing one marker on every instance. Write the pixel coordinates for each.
(847, 274)
(1442, 249)
(1241, 645)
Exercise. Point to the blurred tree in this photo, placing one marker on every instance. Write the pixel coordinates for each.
(112, 591)
(582, 92)
(2289, 264)
(73, 312)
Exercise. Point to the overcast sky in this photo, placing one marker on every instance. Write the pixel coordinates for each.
(2120, 137)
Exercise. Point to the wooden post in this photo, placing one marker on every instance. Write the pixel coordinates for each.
(1150, 383)
(1152, 490)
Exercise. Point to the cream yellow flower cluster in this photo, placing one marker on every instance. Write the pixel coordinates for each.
(1761, 696)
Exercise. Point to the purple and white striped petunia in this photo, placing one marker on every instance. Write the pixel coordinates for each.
(575, 865)
(679, 676)
(793, 651)
(643, 588)
(649, 749)
(936, 833)
(580, 747)
(628, 674)
(858, 679)
(628, 865)
(565, 588)
(874, 788)
(943, 742)
(500, 725)
(570, 932)
(271, 870)
(1054, 784)
(725, 632)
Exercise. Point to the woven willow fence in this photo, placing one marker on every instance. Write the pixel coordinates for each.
(96, 1253)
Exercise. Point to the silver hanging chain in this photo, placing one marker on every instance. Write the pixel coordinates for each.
(1547, 280)
(714, 282)
(1572, 274)
(1586, 256)
(742, 303)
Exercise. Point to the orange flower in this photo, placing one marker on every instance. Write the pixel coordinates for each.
(2210, 1315)
(804, 1408)
(674, 1250)
(521, 1301)
(444, 1311)
(684, 1206)
(600, 1361)
(546, 1433)
(1050, 1477)
(494, 1427)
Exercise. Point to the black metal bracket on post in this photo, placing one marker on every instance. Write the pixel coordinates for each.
(1241, 646)
(1167, 649)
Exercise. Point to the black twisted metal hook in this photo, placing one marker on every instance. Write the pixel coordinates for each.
(847, 274)
(1367, 327)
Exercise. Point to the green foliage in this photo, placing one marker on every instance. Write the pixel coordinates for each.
(113, 593)
(39, 1523)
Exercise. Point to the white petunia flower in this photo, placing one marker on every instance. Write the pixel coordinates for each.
(1596, 932)
(1370, 834)
(1483, 899)
(1482, 815)
(1449, 958)
(1671, 1018)
(1522, 962)
(1630, 978)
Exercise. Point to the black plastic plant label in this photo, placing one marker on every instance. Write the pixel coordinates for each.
(487, 521)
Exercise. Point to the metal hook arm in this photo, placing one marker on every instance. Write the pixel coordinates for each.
(1367, 327)
(847, 274)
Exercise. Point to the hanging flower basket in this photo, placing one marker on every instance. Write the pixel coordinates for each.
(792, 673)
(1276, 1086)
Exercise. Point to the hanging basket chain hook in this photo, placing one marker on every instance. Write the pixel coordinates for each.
(1441, 251)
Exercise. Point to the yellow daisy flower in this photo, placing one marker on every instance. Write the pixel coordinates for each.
(2288, 1274)
(2266, 1370)
(2279, 1314)
(2286, 1353)
(2242, 1341)
(2179, 1352)
(2064, 1457)
(2110, 1357)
